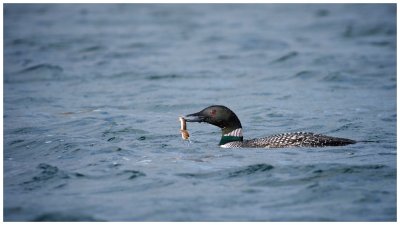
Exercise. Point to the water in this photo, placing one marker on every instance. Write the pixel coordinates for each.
(92, 95)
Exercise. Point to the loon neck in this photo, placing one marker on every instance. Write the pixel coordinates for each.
(230, 135)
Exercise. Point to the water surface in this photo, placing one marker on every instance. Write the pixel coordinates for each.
(92, 95)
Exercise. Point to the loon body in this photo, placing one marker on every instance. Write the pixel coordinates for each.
(232, 135)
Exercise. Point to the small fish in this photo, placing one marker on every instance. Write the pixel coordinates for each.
(184, 132)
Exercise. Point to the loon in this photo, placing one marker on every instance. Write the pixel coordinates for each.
(232, 135)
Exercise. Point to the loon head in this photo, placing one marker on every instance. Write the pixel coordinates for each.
(222, 117)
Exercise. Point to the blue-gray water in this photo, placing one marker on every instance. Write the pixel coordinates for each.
(92, 95)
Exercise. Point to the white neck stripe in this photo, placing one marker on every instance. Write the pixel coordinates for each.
(236, 133)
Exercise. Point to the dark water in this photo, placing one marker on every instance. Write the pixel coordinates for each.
(92, 95)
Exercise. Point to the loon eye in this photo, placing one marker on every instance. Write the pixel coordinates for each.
(213, 112)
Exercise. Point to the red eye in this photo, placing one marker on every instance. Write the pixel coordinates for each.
(213, 112)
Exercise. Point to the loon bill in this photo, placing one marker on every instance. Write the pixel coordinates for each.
(232, 135)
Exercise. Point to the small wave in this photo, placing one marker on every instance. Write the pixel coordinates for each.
(16, 142)
(64, 217)
(347, 126)
(119, 75)
(322, 13)
(358, 169)
(252, 43)
(355, 31)
(112, 171)
(153, 184)
(391, 118)
(381, 43)
(229, 173)
(225, 57)
(28, 130)
(54, 69)
(23, 42)
(94, 48)
(311, 175)
(138, 45)
(41, 72)
(252, 169)
(196, 175)
(346, 169)
(126, 130)
(163, 77)
(107, 150)
(286, 57)
(305, 74)
(133, 174)
(48, 174)
(388, 153)
(334, 77)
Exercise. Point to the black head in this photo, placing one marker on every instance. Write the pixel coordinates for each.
(217, 115)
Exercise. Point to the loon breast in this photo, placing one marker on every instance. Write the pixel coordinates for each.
(297, 139)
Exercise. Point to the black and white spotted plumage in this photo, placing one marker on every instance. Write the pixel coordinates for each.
(297, 139)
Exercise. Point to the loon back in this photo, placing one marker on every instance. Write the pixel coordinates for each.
(298, 139)
(232, 135)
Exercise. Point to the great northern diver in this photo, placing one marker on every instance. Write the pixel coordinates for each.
(232, 136)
